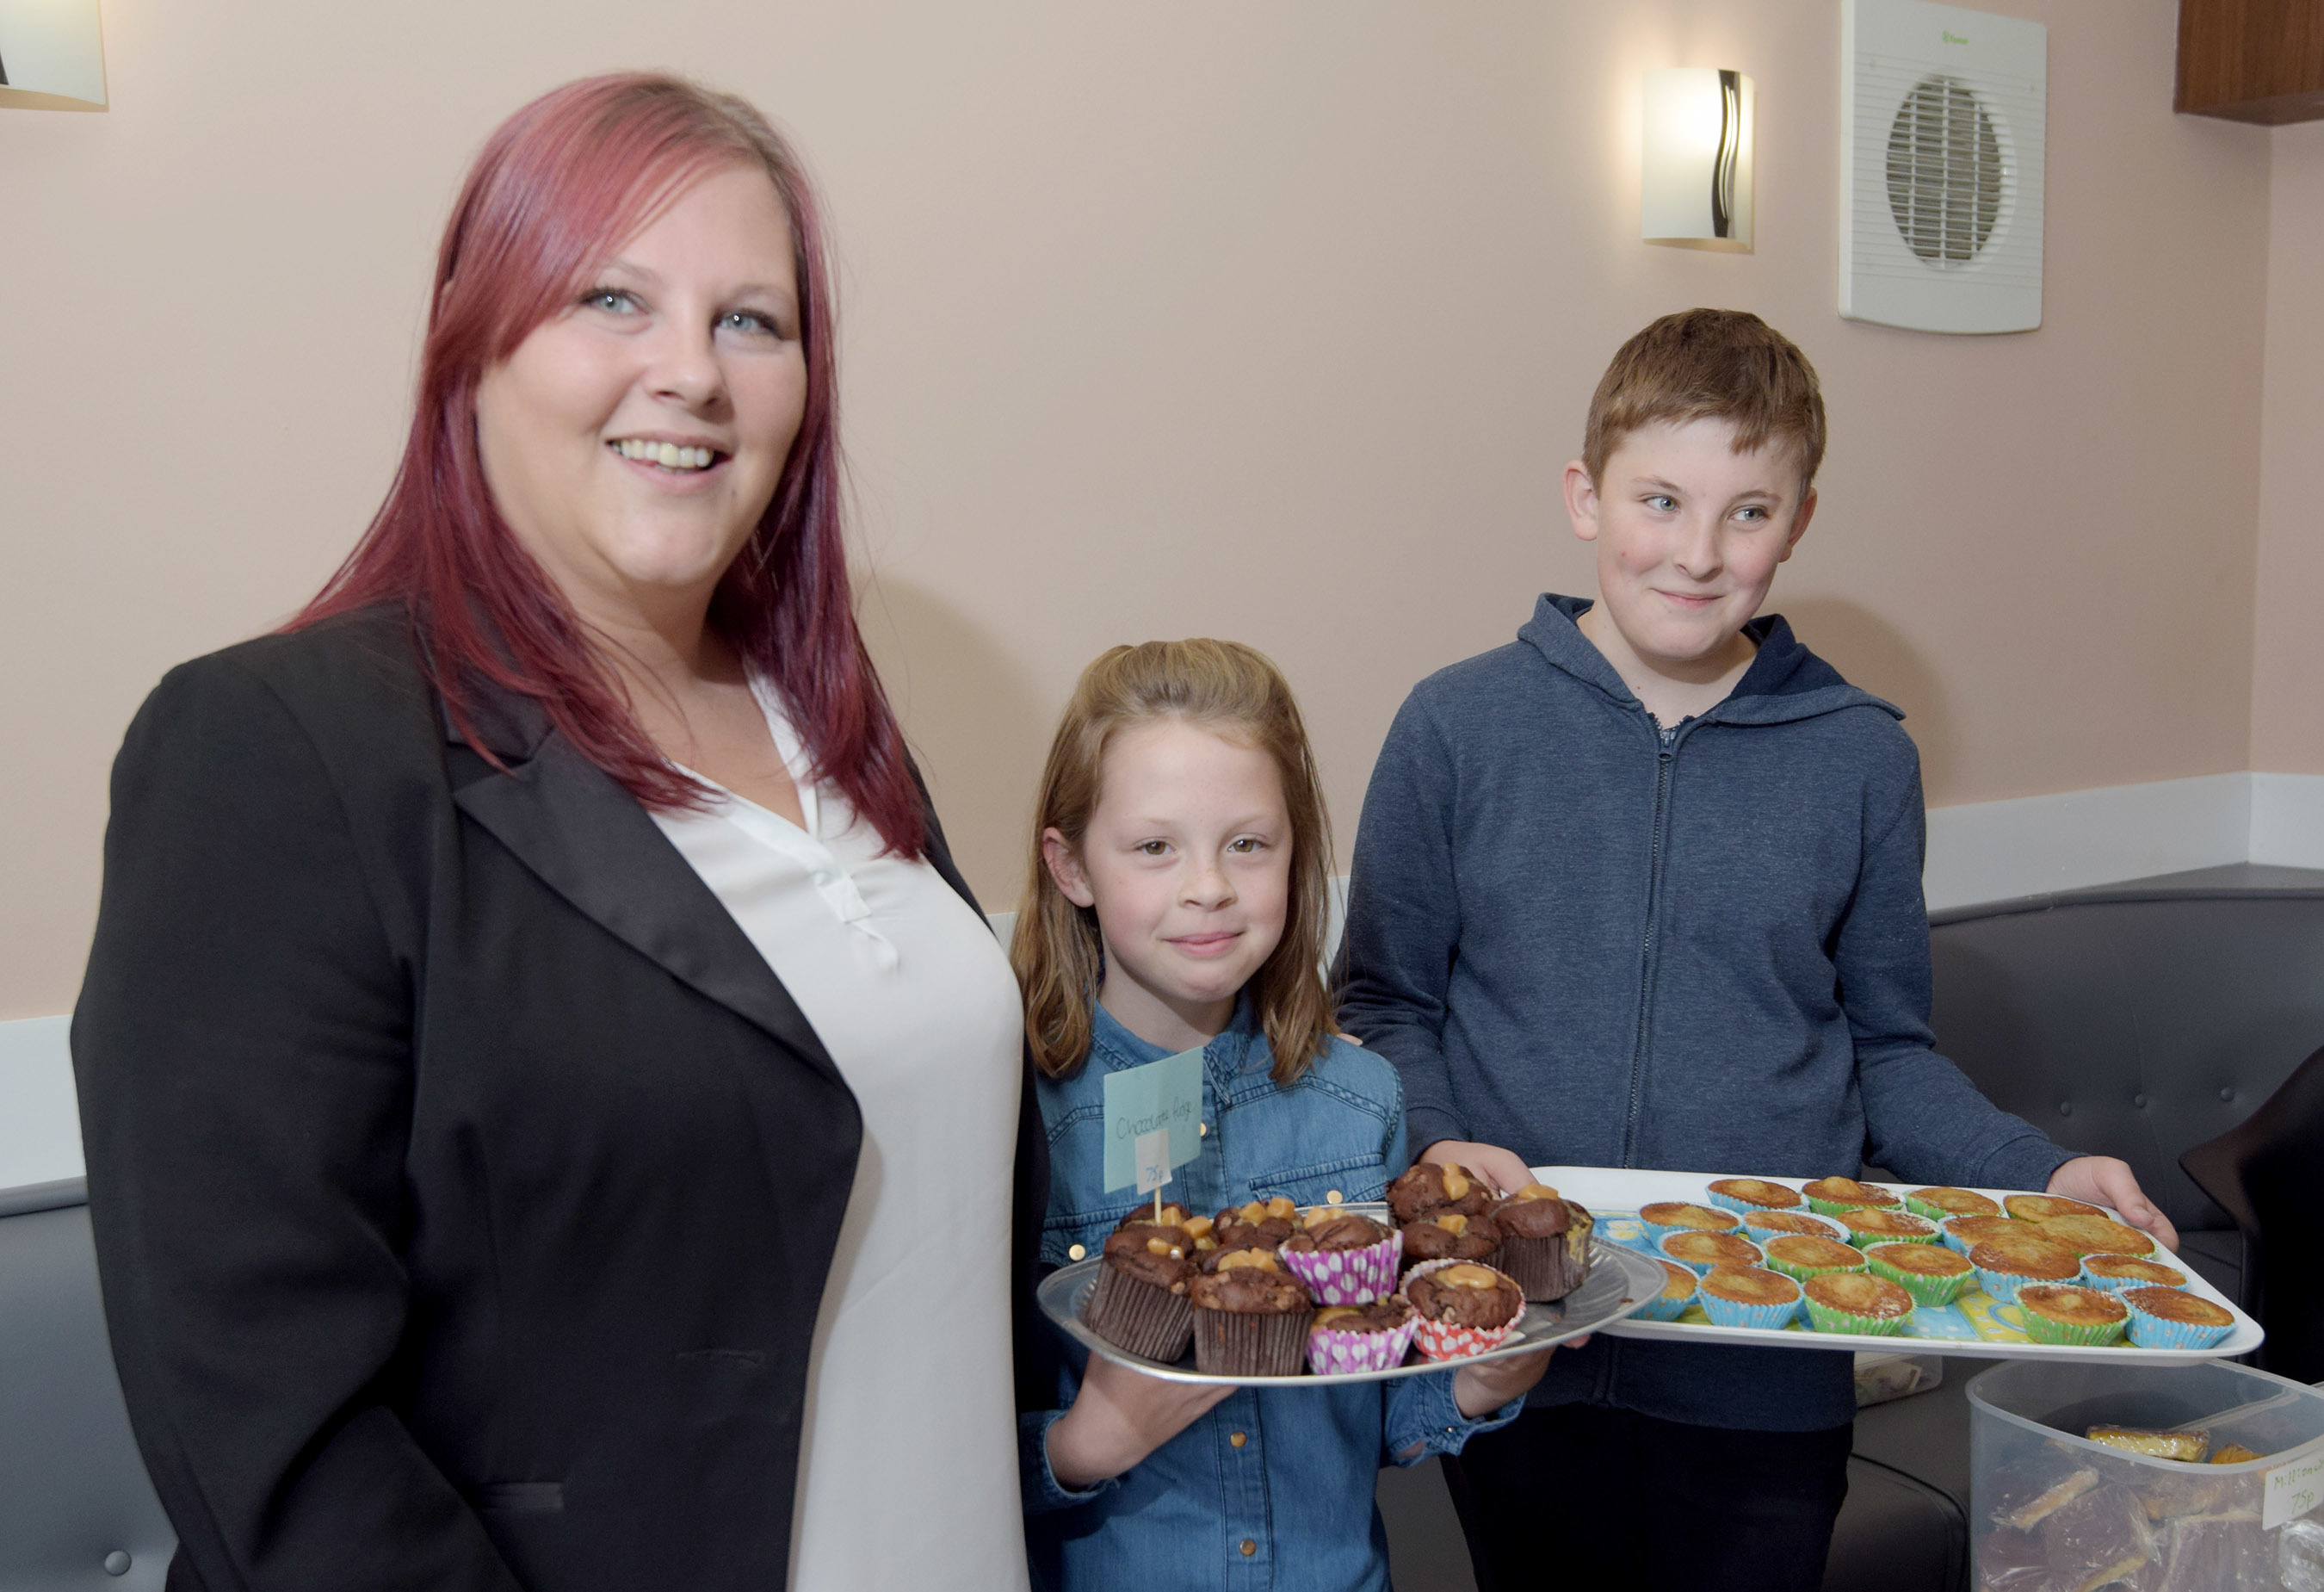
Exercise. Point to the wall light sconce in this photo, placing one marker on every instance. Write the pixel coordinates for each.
(1694, 186)
(51, 55)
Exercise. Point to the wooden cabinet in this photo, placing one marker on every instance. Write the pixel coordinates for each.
(2251, 61)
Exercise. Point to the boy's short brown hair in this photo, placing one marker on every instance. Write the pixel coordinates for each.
(1709, 364)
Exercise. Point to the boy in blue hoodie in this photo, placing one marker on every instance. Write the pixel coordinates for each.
(1642, 889)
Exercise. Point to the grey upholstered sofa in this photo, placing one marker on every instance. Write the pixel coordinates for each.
(2138, 1021)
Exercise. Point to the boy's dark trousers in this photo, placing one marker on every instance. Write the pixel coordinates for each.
(1588, 1496)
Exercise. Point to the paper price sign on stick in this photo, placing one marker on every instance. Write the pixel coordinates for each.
(1153, 1121)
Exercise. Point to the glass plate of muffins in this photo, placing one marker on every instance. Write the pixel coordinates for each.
(1258, 1296)
(1842, 1263)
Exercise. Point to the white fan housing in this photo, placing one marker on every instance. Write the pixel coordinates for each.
(1942, 117)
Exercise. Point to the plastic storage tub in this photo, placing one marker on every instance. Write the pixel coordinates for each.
(2053, 1512)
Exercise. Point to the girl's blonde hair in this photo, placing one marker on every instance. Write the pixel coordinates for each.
(1221, 685)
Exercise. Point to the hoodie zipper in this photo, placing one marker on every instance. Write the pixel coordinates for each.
(1668, 737)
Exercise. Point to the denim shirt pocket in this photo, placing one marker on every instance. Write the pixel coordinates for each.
(1333, 1132)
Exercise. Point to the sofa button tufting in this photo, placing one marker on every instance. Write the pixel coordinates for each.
(2065, 1109)
(116, 1563)
(2139, 1101)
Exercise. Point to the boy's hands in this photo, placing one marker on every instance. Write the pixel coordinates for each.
(1118, 1418)
(2101, 1179)
(1480, 1390)
(1500, 1167)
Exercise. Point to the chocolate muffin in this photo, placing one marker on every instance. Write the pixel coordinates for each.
(1372, 1337)
(1465, 1295)
(1211, 1260)
(1328, 1227)
(1139, 1301)
(1427, 1187)
(1251, 1319)
(1173, 1216)
(1544, 1241)
(1447, 1235)
(1262, 1221)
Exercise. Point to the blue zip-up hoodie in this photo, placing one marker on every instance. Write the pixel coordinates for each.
(1602, 943)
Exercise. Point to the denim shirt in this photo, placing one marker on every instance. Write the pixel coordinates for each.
(1272, 1488)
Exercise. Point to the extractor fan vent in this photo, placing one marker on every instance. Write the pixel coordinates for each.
(1946, 176)
(1941, 170)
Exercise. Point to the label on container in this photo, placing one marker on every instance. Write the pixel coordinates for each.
(2292, 1490)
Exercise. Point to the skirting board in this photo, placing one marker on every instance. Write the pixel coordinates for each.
(1988, 851)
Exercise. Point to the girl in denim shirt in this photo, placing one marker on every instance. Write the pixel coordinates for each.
(1177, 900)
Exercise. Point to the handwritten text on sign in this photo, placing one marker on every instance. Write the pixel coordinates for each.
(1162, 1097)
(2292, 1490)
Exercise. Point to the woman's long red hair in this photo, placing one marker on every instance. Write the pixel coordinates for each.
(561, 185)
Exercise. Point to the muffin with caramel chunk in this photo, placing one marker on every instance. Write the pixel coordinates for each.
(1250, 1318)
(1344, 1258)
(1463, 1307)
(1139, 1300)
(1262, 1221)
(1372, 1337)
(1447, 1235)
(1832, 1196)
(1427, 1187)
(1746, 1195)
(1544, 1241)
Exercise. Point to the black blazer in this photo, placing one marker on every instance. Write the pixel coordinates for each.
(464, 1181)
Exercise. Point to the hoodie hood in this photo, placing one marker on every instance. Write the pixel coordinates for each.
(1784, 683)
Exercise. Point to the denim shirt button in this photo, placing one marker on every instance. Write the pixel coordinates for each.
(1202, 1129)
(1237, 1438)
(1076, 1252)
(1248, 1547)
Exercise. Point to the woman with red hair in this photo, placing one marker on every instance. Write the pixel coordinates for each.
(552, 1106)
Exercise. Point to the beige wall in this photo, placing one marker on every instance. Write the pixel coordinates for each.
(2288, 654)
(1274, 321)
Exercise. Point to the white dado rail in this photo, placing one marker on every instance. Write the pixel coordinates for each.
(1988, 851)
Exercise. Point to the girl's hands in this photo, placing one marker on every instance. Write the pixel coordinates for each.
(2101, 1179)
(1120, 1417)
(1500, 1167)
(1481, 1389)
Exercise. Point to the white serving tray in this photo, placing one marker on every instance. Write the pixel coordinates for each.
(1620, 1280)
(1974, 1327)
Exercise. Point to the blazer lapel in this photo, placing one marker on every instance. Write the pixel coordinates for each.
(590, 841)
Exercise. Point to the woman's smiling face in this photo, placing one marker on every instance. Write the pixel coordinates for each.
(634, 441)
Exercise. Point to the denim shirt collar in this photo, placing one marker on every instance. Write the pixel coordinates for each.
(1242, 1043)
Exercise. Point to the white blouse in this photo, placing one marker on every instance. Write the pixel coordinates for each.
(908, 1463)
